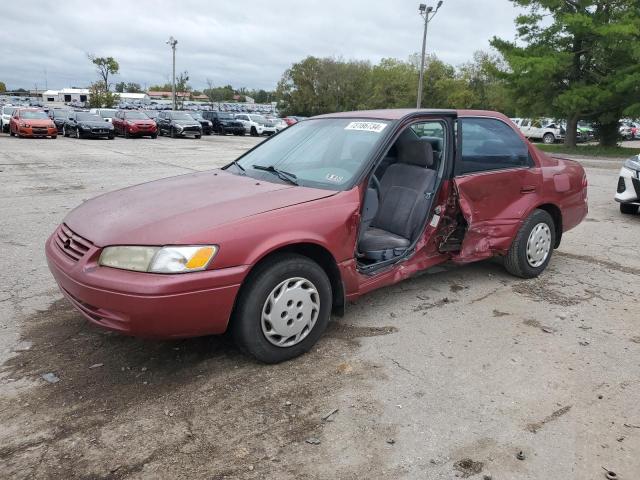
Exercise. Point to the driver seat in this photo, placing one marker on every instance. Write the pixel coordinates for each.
(406, 190)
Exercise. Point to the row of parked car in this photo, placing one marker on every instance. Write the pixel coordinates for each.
(104, 122)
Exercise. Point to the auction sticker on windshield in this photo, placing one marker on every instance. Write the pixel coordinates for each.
(375, 127)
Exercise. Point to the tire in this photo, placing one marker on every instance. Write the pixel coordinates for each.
(549, 138)
(197, 137)
(254, 132)
(221, 131)
(628, 209)
(64, 131)
(53, 137)
(111, 137)
(248, 326)
(78, 134)
(172, 133)
(154, 135)
(126, 133)
(518, 261)
(159, 132)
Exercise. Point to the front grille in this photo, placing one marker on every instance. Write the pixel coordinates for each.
(70, 243)
(621, 186)
(100, 130)
(191, 129)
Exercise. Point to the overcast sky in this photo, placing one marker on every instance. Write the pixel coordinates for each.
(240, 42)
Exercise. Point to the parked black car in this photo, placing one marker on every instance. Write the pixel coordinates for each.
(224, 123)
(207, 126)
(178, 124)
(87, 125)
(59, 117)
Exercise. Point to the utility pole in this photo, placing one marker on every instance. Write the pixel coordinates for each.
(173, 42)
(427, 13)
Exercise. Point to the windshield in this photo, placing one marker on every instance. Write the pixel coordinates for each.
(107, 113)
(61, 113)
(225, 116)
(321, 153)
(87, 117)
(196, 115)
(136, 116)
(180, 116)
(30, 115)
(151, 113)
(258, 118)
(8, 110)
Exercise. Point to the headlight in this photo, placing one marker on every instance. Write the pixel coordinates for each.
(159, 259)
(84, 126)
(209, 123)
(633, 163)
(179, 127)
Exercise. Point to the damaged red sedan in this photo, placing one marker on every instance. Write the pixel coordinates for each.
(327, 210)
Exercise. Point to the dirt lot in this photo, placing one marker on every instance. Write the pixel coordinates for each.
(450, 374)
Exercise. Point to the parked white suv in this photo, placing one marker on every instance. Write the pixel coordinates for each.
(540, 129)
(5, 118)
(628, 191)
(256, 124)
(106, 114)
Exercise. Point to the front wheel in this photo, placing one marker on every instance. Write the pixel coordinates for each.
(172, 133)
(78, 134)
(628, 208)
(532, 247)
(549, 138)
(283, 308)
(154, 135)
(65, 133)
(254, 132)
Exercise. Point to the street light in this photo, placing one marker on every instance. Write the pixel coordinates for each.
(427, 13)
(173, 42)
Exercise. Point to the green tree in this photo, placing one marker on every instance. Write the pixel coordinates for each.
(131, 87)
(393, 84)
(3, 87)
(105, 66)
(101, 98)
(319, 85)
(182, 87)
(579, 60)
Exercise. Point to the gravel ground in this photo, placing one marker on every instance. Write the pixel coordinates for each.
(450, 374)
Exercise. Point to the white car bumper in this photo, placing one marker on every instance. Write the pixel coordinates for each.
(262, 130)
(628, 186)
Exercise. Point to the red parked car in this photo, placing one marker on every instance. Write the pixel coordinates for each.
(133, 123)
(326, 211)
(31, 122)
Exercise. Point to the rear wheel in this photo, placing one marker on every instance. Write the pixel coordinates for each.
(628, 208)
(549, 138)
(531, 250)
(283, 308)
(254, 132)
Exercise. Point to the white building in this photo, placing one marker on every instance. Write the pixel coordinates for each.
(66, 95)
(127, 97)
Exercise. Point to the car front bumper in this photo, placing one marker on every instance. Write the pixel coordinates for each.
(628, 190)
(143, 304)
(37, 132)
(142, 131)
(236, 130)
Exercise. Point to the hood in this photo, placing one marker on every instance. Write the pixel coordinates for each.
(140, 122)
(186, 123)
(95, 123)
(171, 210)
(38, 122)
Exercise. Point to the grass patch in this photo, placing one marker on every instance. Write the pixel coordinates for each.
(590, 150)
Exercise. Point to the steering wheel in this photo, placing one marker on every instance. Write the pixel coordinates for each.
(376, 185)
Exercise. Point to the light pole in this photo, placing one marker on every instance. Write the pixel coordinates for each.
(427, 13)
(173, 42)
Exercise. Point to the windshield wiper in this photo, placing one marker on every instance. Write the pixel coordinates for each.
(237, 164)
(286, 176)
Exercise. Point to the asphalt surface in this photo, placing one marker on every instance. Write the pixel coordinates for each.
(449, 374)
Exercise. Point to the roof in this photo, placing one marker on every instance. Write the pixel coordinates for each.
(140, 96)
(74, 90)
(398, 113)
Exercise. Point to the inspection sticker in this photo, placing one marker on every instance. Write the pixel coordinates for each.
(375, 127)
